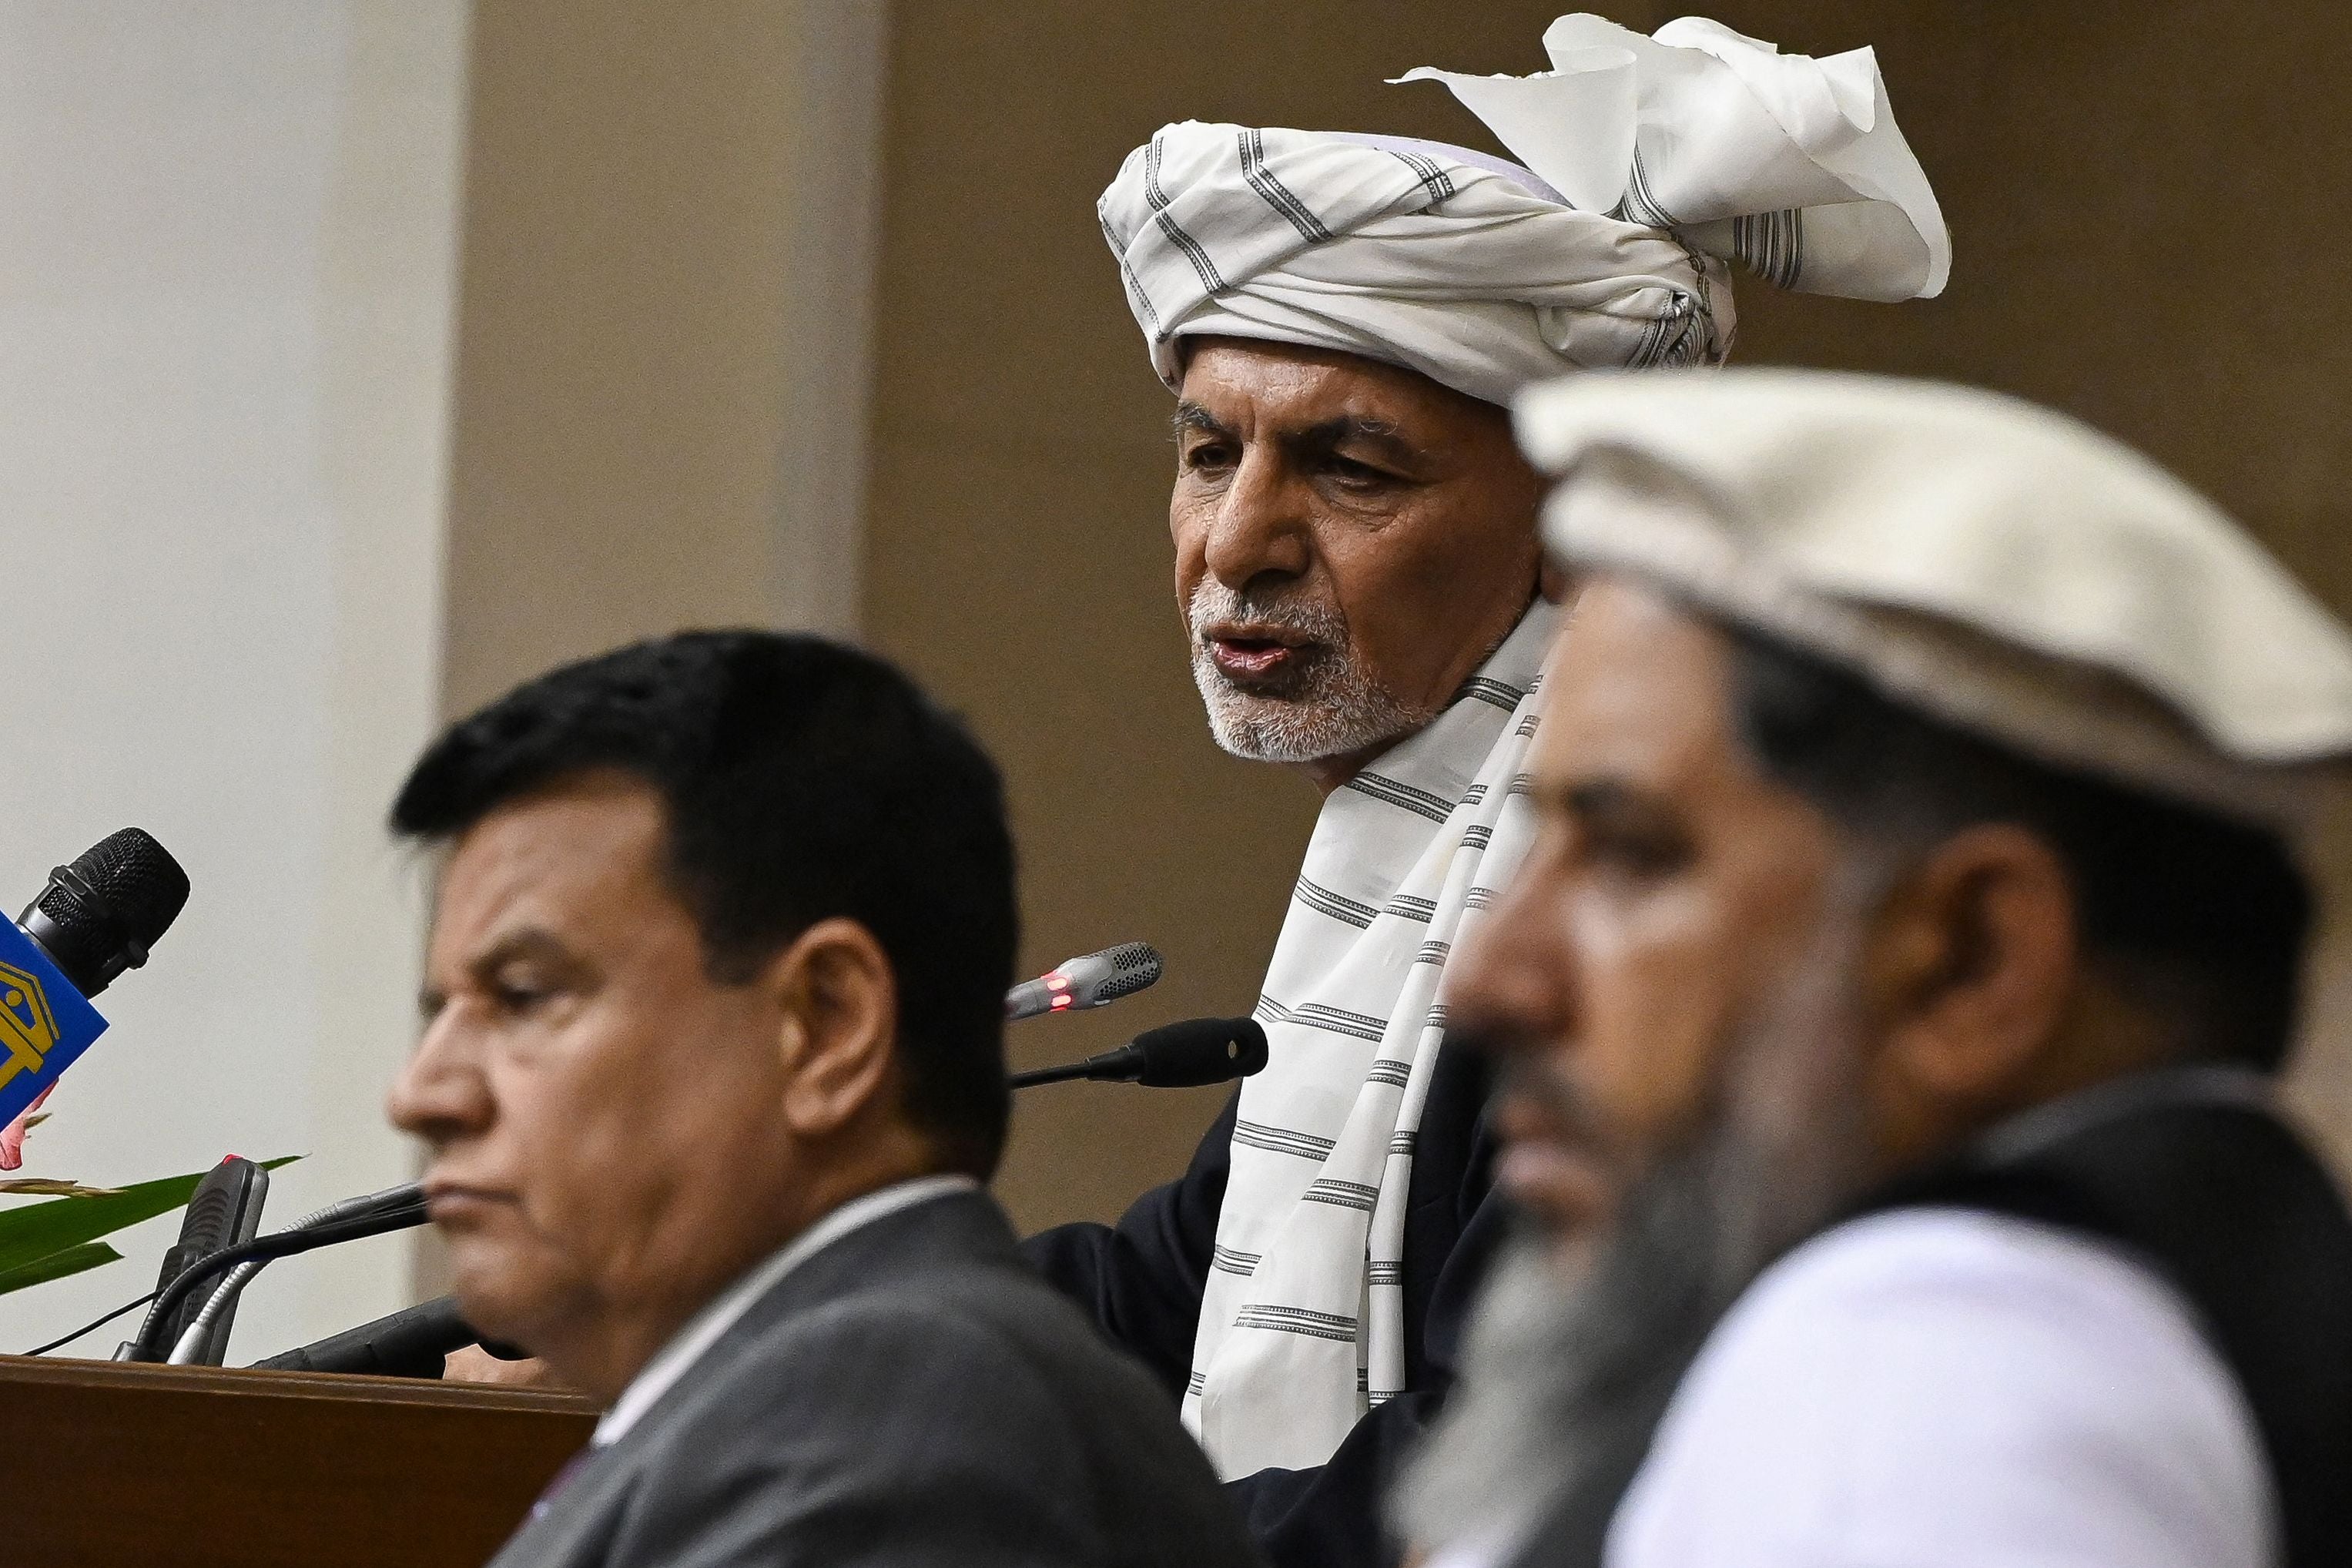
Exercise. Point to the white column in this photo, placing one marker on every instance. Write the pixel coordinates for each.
(833, 244)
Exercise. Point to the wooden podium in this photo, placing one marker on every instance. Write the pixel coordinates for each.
(115, 1466)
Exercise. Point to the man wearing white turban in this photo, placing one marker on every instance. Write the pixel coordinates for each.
(1343, 319)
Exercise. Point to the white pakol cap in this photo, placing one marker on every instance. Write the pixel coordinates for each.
(1994, 564)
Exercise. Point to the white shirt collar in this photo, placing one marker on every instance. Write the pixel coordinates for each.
(703, 1329)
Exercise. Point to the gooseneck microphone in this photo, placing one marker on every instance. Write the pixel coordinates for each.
(102, 911)
(395, 1209)
(225, 1211)
(1175, 1056)
(1076, 984)
(198, 1333)
(411, 1342)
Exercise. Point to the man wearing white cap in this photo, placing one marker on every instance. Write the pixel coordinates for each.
(1902, 964)
(1343, 319)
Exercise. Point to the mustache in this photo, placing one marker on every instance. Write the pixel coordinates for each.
(1312, 619)
(1522, 1074)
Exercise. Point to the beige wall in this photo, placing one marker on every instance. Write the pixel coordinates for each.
(657, 285)
(613, 467)
(2146, 201)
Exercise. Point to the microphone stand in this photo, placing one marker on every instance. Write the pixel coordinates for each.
(405, 1208)
(1120, 1065)
(1187, 1054)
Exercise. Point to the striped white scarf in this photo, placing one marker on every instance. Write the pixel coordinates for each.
(1302, 1324)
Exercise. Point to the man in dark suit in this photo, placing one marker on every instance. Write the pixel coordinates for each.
(711, 1073)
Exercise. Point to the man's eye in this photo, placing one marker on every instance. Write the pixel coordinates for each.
(1349, 471)
(1208, 455)
(518, 996)
(1636, 854)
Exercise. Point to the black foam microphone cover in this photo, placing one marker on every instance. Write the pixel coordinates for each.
(1199, 1051)
(411, 1342)
(102, 911)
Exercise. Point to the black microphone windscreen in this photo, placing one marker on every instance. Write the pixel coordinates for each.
(101, 912)
(411, 1342)
(1200, 1051)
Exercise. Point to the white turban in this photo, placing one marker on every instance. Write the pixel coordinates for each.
(1649, 162)
(2000, 565)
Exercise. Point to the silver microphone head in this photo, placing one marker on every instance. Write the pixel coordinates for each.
(1078, 984)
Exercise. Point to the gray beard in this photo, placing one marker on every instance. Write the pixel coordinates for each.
(1564, 1379)
(1344, 713)
(1335, 708)
(1567, 1365)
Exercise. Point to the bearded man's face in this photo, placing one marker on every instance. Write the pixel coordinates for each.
(1352, 541)
(1674, 969)
(1671, 984)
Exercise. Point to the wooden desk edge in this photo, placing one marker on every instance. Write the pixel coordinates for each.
(257, 1383)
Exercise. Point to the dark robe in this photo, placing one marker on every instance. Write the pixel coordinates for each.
(1142, 1280)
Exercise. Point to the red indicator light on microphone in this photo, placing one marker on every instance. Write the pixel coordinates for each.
(1058, 981)
(1061, 1001)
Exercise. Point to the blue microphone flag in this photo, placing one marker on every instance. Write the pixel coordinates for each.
(44, 1023)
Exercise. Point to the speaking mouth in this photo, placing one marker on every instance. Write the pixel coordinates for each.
(1266, 661)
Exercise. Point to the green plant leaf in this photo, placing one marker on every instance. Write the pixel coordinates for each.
(34, 1231)
(57, 1265)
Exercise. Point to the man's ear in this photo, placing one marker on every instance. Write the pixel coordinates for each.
(837, 1025)
(1969, 972)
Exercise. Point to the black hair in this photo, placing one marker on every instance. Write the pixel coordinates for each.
(800, 780)
(2206, 917)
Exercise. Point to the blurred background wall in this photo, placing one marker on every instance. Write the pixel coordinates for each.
(365, 357)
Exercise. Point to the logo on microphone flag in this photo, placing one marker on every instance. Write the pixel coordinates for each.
(44, 1023)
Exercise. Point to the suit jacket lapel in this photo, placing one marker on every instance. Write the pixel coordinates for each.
(577, 1511)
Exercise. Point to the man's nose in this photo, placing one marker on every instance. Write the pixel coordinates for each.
(1262, 526)
(441, 1092)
